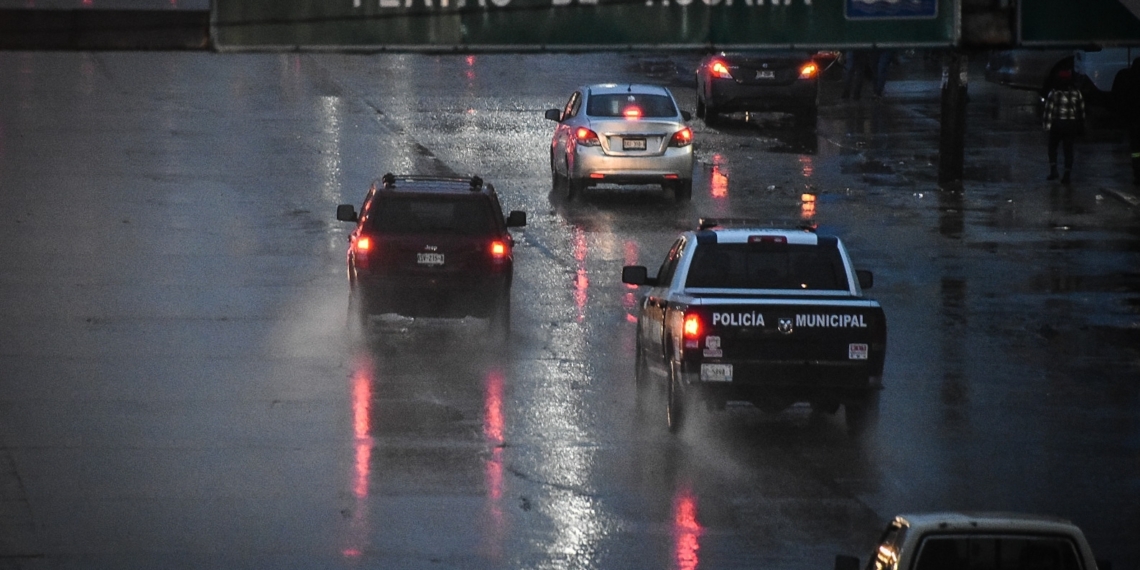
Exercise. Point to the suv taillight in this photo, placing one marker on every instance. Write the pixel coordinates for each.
(363, 247)
(586, 137)
(719, 70)
(809, 70)
(499, 250)
(683, 137)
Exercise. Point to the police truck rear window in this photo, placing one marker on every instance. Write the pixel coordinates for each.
(766, 266)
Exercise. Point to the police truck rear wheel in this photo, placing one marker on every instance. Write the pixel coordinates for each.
(675, 406)
(862, 415)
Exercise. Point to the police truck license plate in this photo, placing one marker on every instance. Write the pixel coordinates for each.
(633, 144)
(429, 258)
(716, 373)
(765, 75)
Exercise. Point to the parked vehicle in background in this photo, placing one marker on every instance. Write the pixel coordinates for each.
(969, 541)
(1033, 69)
(621, 134)
(428, 246)
(762, 81)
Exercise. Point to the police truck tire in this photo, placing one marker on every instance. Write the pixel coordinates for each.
(675, 408)
(501, 319)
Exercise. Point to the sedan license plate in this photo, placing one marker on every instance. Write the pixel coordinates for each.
(633, 144)
(765, 74)
(429, 258)
(716, 373)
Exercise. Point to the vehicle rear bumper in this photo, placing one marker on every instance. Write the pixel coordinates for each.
(433, 297)
(591, 165)
(728, 96)
(787, 383)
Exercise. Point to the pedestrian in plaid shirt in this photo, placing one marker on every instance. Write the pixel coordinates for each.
(1064, 119)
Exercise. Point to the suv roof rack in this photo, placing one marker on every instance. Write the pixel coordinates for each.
(474, 183)
(725, 223)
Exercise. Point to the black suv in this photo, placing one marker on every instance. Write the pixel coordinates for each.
(429, 246)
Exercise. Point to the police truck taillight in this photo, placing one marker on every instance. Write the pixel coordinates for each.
(809, 70)
(692, 327)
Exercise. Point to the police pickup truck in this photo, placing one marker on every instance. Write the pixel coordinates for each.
(968, 540)
(770, 316)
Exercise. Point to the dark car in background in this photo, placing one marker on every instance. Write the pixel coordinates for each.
(762, 81)
(427, 246)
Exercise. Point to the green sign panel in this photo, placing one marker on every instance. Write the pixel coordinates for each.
(575, 24)
(1077, 23)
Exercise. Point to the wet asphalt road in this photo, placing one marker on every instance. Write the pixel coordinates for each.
(178, 387)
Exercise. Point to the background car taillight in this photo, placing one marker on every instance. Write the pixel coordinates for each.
(586, 137)
(719, 70)
(809, 70)
(500, 251)
(631, 112)
(683, 137)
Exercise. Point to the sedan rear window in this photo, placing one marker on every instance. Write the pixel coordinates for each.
(417, 214)
(619, 104)
(766, 266)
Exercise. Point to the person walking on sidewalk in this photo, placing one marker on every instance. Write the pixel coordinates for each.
(1126, 102)
(1064, 120)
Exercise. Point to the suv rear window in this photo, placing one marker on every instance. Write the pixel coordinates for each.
(615, 105)
(766, 266)
(398, 214)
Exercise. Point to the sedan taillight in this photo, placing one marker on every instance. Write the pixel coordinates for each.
(586, 137)
(683, 137)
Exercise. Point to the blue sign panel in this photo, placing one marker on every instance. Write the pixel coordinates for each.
(891, 9)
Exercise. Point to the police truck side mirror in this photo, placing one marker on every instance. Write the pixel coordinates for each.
(686, 115)
(844, 562)
(636, 275)
(516, 219)
(346, 213)
(866, 278)
(554, 115)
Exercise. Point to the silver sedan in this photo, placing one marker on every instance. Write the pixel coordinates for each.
(621, 134)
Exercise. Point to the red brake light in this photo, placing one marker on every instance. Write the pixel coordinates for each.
(809, 70)
(363, 244)
(683, 137)
(719, 70)
(586, 137)
(498, 249)
(692, 326)
(632, 112)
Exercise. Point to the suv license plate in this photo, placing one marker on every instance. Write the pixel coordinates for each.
(765, 74)
(716, 373)
(429, 258)
(633, 144)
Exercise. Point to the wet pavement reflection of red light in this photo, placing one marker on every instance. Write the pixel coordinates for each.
(718, 185)
(581, 278)
(362, 382)
(686, 530)
(493, 467)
